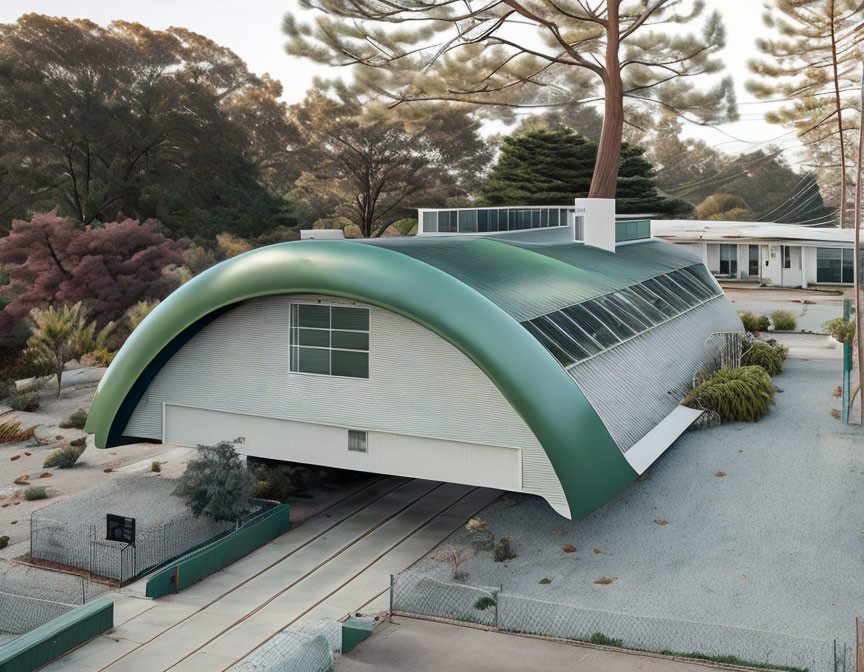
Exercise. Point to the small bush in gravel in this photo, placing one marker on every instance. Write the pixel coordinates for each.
(75, 420)
(840, 329)
(738, 395)
(217, 483)
(502, 551)
(35, 492)
(754, 323)
(25, 401)
(769, 357)
(4, 542)
(156, 466)
(783, 320)
(65, 457)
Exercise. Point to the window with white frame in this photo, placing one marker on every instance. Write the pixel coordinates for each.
(330, 340)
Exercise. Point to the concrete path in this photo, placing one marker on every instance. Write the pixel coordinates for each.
(427, 646)
(333, 564)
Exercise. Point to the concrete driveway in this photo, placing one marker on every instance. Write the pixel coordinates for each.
(428, 646)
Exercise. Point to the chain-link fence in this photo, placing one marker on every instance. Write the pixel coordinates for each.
(419, 595)
(31, 597)
(165, 528)
(301, 649)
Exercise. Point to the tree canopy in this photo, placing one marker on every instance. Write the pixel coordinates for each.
(813, 63)
(368, 167)
(517, 53)
(51, 261)
(540, 167)
(118, 121)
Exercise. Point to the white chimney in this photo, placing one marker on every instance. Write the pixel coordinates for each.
(598, 221)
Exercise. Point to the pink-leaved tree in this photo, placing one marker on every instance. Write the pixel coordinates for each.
(52, 260)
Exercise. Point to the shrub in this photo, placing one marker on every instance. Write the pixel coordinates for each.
(769, 357)
(600, 638)
(156, 466)
(743, 394)
(754, 323)
(75, 421)
(484, 603)
(216, 483)
(502, 551)
(7, 388)
(842, 330)
(24, 400)
(101, 357)
(4, 542)
(35, 492)
(276, 483)
(65, 457)
(11, 432)
(783, 320)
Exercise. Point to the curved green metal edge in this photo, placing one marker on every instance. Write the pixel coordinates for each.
(587, 461)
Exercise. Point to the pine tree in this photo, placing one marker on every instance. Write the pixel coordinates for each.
(812, 61)
(526, 53)
(540, 167)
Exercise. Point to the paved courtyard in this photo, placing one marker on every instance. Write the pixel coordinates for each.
(755, 526)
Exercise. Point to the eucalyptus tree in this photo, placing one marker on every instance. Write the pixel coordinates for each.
(812, 65)
(510, 54)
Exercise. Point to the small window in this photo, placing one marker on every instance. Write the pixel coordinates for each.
(356, 441)
(787, 257)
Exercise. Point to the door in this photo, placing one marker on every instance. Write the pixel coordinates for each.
(753, 262)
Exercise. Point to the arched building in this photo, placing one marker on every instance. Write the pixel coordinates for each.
(523, 360)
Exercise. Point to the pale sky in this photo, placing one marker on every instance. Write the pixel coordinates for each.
(253, 30)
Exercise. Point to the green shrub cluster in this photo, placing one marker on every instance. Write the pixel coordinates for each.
(4, 542)
(64, 457)
(75, 420)
(769, 357)
(783, 320)
(753, 323)
(842, 330)
(738, 395)
(35, 492)
(278, 484)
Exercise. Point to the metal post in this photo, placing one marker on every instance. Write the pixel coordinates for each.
(392, 584)
(859, 645)
(847, 370)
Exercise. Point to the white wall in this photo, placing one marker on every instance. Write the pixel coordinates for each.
(326, 445)
(420, 386)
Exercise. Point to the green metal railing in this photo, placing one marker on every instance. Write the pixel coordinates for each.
(40, 646)
(201, 562)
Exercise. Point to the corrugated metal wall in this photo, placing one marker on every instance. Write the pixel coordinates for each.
(419, 386)
(633, 386)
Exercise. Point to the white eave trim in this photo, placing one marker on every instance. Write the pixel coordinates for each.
(644, 452)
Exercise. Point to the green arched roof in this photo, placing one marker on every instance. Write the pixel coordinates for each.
(471, 292)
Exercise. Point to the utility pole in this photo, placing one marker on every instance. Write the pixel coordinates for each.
(858, 206)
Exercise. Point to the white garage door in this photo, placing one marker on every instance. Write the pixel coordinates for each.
(326, 445)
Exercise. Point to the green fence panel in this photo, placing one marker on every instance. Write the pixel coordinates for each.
(39, 647)
(200, 563)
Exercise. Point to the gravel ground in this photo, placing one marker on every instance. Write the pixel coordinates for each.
(89, 471)
(756, 526)
(820, 306)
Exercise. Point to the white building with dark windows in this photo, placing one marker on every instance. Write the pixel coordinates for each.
(785, 255)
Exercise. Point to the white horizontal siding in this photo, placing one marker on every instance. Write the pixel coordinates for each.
(419, 386)
(326, 445)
